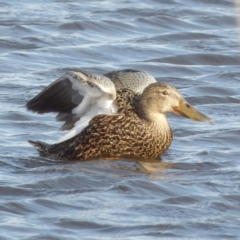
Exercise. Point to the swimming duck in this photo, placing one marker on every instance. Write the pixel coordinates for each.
(110, 121)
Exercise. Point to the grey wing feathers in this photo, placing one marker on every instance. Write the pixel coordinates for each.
(133, 79)
(57, 97)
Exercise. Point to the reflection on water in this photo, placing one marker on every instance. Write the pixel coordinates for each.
(193, 193)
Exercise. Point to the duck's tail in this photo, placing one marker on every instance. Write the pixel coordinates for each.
(43, 148)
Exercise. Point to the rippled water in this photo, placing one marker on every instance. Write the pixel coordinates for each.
(193, 45)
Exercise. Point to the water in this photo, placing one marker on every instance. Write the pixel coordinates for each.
(193, 45)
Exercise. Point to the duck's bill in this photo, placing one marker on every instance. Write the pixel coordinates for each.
(186, 110)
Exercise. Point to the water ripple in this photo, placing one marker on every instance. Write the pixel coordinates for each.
(194, 193)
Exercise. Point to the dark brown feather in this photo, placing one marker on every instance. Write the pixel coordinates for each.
(58, 97)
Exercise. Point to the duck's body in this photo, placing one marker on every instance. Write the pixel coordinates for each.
(136, 129)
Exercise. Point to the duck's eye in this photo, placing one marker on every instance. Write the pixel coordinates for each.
(164, 93)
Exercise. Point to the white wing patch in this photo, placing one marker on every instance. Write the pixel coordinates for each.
(99, 94)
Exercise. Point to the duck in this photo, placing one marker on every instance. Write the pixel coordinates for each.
(119, 115)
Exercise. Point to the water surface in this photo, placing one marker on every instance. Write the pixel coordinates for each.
(193, 45)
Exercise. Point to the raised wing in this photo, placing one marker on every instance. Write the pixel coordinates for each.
(78, 97)
(133, 79)
(77, 94)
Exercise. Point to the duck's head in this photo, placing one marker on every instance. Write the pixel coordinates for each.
(161, 98)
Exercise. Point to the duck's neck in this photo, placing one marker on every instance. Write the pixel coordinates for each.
(152, 116)
(156, 125)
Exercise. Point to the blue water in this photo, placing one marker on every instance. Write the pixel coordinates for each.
(193, 45)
